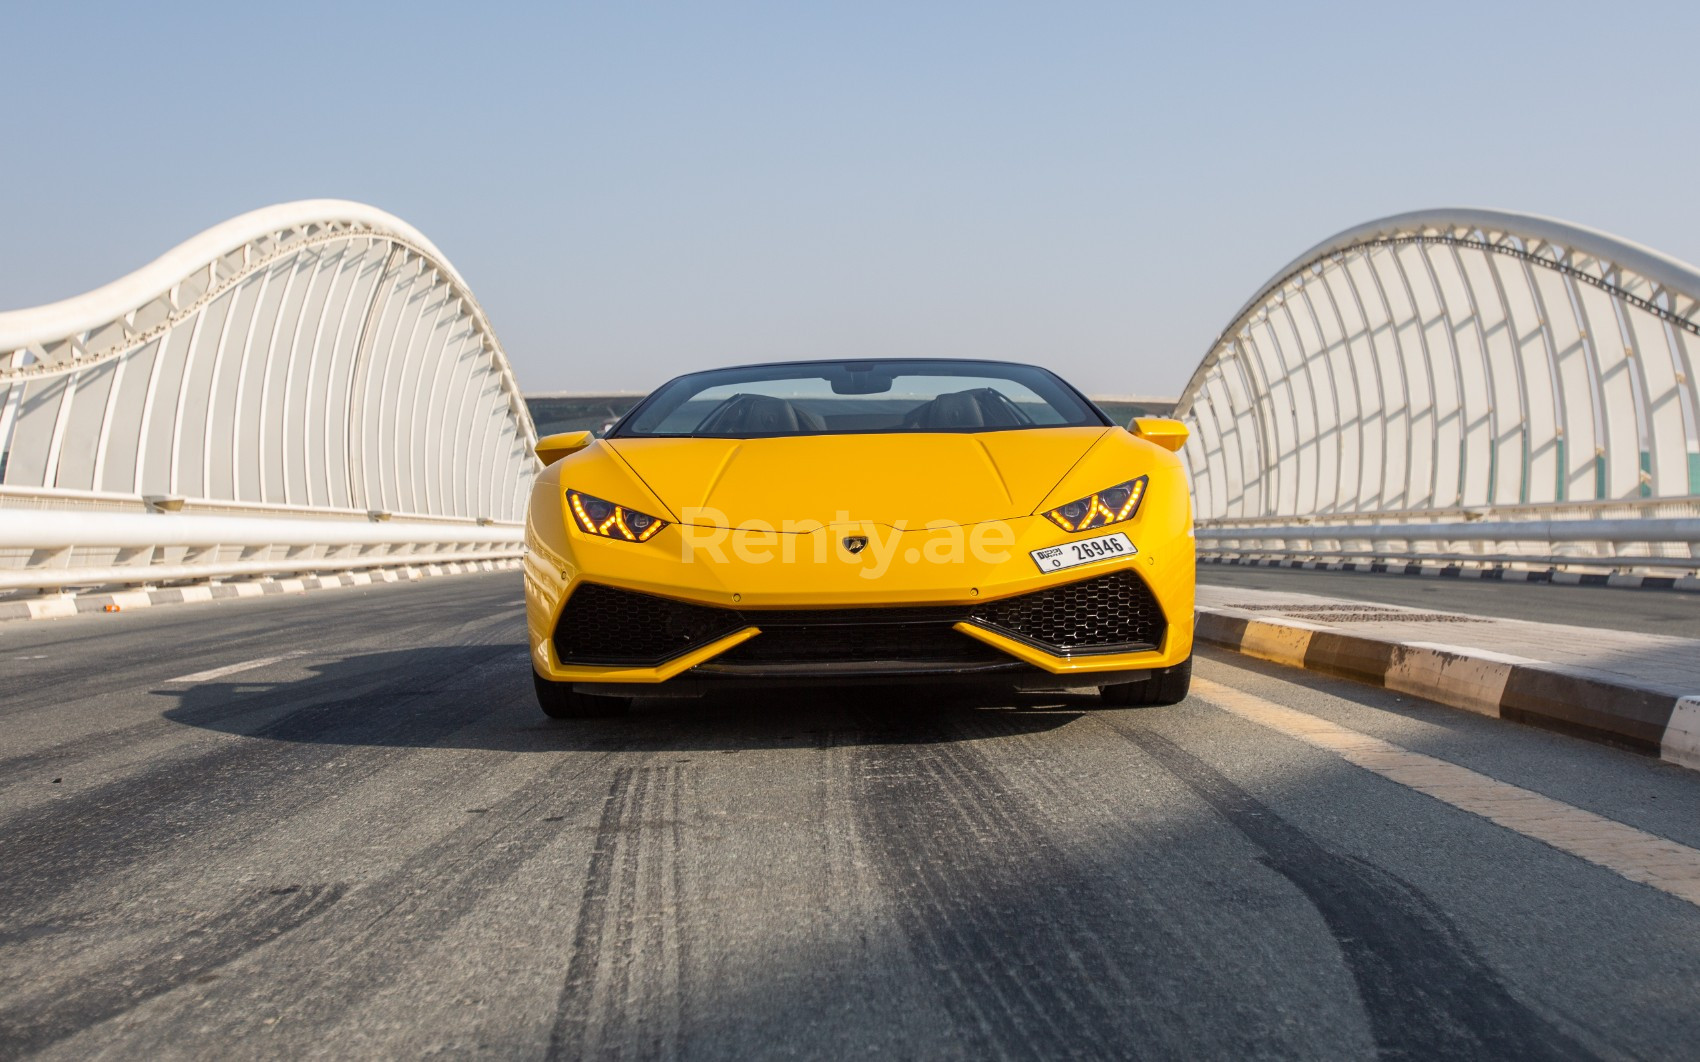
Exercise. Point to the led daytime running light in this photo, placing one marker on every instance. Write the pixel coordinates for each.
(1106, 507)
(607, 520)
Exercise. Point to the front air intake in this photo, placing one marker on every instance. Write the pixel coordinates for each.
(605, 626)
(1114, 613)
(608, 627)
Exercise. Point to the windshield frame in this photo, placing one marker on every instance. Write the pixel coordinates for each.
(1094, 417)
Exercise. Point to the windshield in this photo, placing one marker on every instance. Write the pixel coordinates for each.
(859, 397)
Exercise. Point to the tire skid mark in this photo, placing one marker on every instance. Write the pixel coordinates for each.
(616, 962)
(421, 900)
(957, 853)
(1097, 976)
(1030, 1016)
(841, 859)
(627, 981)
(680, 967)
(125, 983)
(1018, 743)
(572, 1018)
(1015, 996)
(1426, 990)
(54, 850)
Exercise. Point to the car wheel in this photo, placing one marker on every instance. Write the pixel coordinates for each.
(560, 701)
(1168, 686)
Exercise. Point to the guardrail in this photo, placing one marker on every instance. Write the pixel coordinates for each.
(1653, 535)
(58, 550)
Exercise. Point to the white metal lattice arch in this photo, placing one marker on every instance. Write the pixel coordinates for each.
(1447, 360)
(318, 356)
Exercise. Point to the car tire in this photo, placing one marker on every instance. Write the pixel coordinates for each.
(1168, 686)
(560, 701)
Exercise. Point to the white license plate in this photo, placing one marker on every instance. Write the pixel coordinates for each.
(1083, 551)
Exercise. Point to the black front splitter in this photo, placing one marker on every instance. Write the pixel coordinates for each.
(1014, 676)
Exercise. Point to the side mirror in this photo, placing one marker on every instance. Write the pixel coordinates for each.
(552, 448)
(1169, 434)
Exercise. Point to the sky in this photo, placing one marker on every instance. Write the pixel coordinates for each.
(635, 190)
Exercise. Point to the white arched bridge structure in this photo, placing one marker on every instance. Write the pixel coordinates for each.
(1467, 387)
(312, 388)
(306, 388)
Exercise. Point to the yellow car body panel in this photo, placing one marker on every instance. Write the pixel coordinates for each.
(950, 519)
(910, 478)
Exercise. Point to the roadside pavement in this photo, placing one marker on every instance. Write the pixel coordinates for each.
(1632, 689)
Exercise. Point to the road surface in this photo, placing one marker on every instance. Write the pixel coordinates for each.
(335, 826)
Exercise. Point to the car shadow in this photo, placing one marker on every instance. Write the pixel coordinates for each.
(480, 697)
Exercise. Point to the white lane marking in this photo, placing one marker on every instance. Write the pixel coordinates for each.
(1635, 854)
(231, 669)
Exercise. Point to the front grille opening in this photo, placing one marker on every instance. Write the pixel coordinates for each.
(1114, 613)
(602, 625)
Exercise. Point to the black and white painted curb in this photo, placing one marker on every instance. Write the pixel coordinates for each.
(55, 606)
(1596, 705)
(1457, 571)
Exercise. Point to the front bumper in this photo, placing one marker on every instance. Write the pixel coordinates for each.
(751, 574)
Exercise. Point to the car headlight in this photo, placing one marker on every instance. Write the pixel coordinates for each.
(1111, 505)
(598, 517)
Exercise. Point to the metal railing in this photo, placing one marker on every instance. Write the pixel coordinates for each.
(1651, 536)
(57, 550)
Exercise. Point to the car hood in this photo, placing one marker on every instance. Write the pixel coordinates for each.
(911, 479)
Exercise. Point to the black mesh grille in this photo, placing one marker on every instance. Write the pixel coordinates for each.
(602, 625)
(1112, 613)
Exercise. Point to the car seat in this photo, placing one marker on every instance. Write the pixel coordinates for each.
(747, 414)
(981, 407)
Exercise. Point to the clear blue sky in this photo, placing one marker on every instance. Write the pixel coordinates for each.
(639, 189)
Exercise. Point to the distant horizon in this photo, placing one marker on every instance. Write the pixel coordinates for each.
(1154, 399)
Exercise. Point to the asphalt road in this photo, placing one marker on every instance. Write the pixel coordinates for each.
(1672, 612)
(373, 845)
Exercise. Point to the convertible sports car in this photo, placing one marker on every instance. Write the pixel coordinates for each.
(885, 522)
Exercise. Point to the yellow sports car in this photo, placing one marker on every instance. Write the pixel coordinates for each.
(883, 522)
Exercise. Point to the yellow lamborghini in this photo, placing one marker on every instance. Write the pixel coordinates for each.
(884, 522)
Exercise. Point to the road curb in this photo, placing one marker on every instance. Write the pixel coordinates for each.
(1431, 570)
(57, 606)
(1599, 706)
